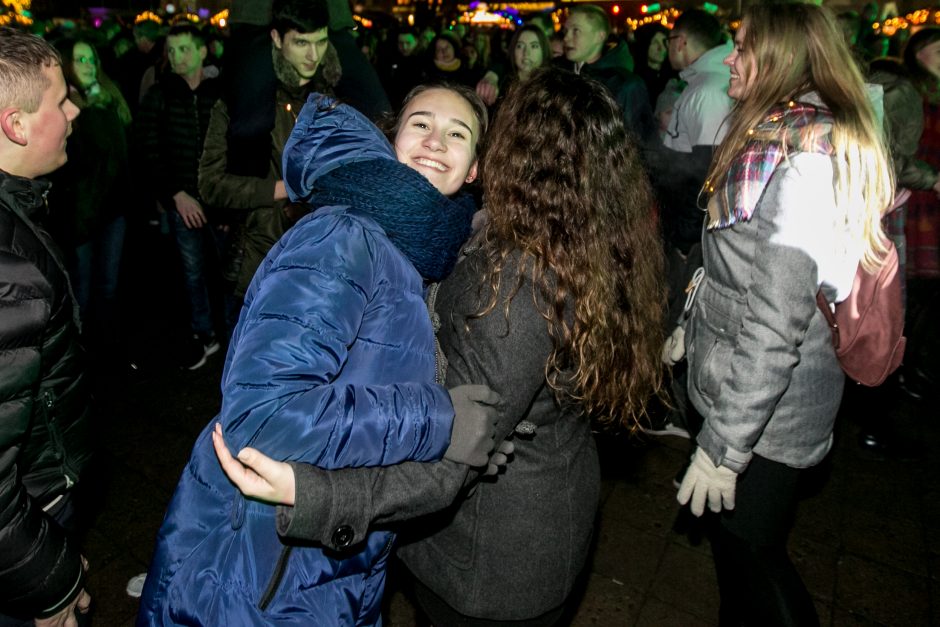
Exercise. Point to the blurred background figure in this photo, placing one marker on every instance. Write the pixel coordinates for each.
(650, 53)
(91, 196)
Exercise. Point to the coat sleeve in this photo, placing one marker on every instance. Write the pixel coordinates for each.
(508, 355)
(302, 316)
(217, 186)
(780, 296)
(904, 119)
(40, 568)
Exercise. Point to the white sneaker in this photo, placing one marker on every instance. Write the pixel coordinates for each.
(135, 585)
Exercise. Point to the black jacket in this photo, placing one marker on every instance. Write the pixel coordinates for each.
(44, 408)
(627, 89)
(170, 128)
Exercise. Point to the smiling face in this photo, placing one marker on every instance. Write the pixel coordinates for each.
(742, 64)
(303, 51)
(528, 53)
(84, 66)
(437, 138)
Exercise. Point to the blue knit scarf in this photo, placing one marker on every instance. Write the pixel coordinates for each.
(426, 226)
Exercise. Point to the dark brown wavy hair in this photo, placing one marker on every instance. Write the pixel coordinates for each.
(563, 185)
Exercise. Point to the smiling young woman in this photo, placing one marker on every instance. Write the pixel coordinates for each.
(794, 199)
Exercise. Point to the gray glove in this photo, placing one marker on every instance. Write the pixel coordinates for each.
(471, 437)
(500, 457)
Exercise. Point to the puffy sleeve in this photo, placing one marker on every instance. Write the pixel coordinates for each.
(302, 315)
(506, 353)
(40, 567)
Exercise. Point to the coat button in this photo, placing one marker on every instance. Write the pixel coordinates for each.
(343, 536)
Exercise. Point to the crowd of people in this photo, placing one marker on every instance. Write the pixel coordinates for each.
(437, 261)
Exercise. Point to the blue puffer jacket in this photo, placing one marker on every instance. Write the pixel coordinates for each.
(332, 363)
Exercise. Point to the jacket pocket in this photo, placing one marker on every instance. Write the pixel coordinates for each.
(56, 441)
(714, 366)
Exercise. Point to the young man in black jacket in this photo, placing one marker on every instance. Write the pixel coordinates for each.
(44, 400)
(171, 128)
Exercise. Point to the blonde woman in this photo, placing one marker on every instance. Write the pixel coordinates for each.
(794, 200)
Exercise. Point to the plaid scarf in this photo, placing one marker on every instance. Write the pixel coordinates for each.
(787, 127)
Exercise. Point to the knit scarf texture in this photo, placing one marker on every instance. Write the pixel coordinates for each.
(426, 226)
(787, 128)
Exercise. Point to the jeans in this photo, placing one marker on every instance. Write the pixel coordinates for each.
(197, 248)
(94, 268)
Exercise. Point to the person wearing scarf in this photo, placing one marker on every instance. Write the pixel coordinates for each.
(333, 362)
(794, 199)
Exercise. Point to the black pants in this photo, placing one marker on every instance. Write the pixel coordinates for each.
(758, 583)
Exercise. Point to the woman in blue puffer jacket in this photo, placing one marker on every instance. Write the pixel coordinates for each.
(333, 363)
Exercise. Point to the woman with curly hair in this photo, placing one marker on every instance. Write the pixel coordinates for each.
(794, 200)
(557, 306)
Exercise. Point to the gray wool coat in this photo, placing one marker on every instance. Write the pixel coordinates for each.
(509, 547)
(762, 369)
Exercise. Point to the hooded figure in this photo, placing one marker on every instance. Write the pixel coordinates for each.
(332, 363)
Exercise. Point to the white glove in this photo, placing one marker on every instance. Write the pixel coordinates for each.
(705, 480)
(674, 347)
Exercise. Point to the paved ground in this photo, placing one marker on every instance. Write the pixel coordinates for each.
(867, 536)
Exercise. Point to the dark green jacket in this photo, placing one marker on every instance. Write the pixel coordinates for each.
(264, 221)
(904, 124)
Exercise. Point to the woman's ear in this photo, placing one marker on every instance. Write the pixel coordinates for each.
(12, 126)
(472, 174)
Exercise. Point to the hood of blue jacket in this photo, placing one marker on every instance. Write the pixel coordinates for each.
(326, 136)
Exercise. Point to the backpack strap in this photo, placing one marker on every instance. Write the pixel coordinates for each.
(824, 307)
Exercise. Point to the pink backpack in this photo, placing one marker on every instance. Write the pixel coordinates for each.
(868, 326)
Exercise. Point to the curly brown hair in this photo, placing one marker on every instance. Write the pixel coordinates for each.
(564, 185)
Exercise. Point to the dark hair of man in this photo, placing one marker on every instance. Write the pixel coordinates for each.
(594, 13)
(924, 80)
(701, 27)
(22, 58)
(148, 29)
(302, 16)
(564, 186)
(199, 39)
(542, 21)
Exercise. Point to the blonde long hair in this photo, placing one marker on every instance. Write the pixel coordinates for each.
(798, 49)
